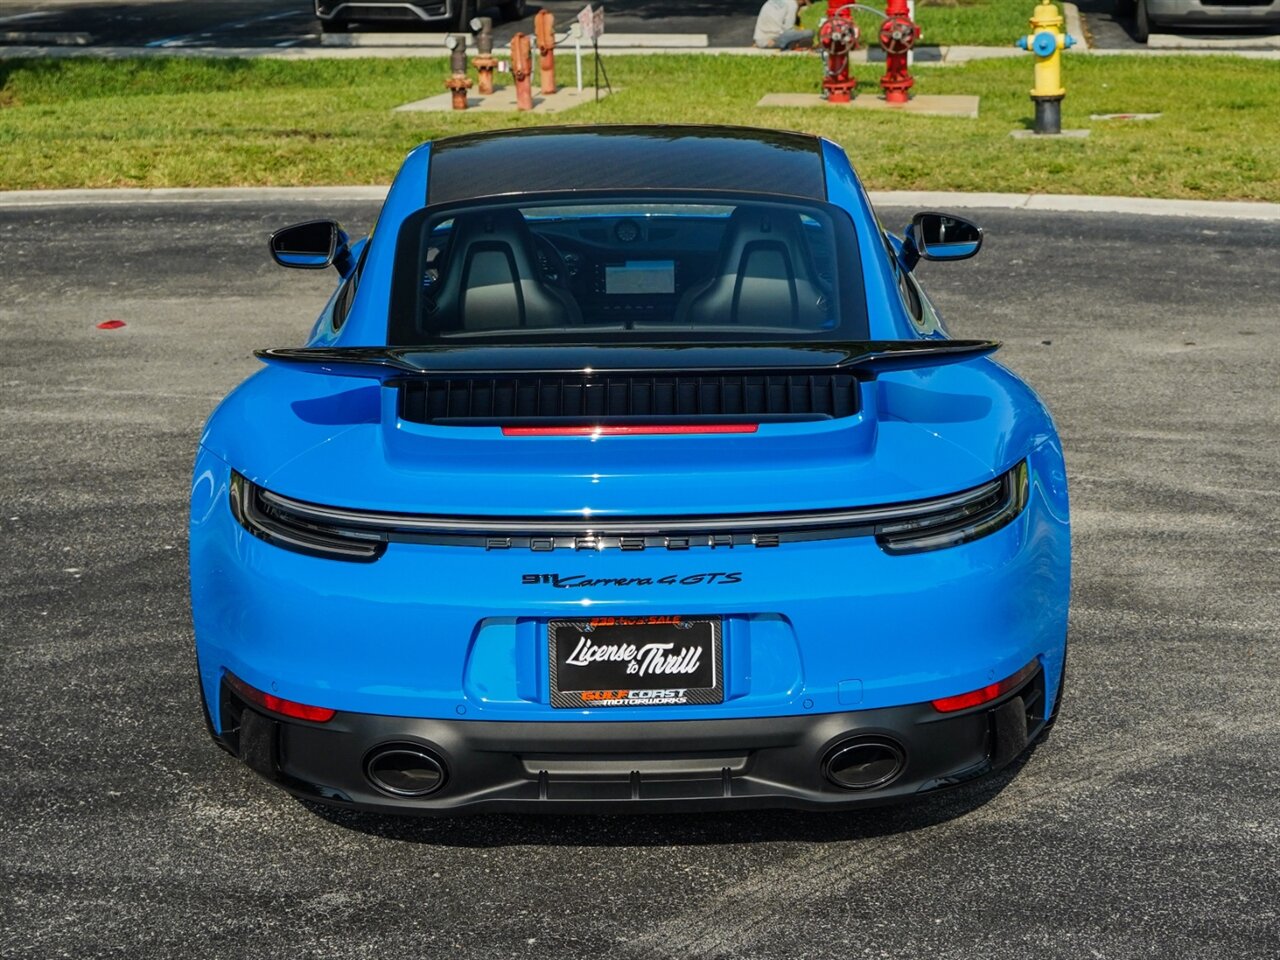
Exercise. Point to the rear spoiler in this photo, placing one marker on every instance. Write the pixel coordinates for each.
(865, 358)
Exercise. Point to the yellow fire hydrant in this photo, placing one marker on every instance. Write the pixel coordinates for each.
(1047, 40)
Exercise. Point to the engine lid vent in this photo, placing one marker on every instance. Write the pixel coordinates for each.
(622, 398)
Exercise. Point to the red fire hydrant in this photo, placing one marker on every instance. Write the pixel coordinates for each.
(898, 34)
(838, 36)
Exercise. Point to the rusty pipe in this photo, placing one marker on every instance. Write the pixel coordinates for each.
(544, 28)
(521, 67)
(458, 83)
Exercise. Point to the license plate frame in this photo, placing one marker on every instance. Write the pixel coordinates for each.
(589, 662)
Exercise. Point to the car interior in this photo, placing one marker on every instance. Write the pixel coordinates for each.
(627, 267)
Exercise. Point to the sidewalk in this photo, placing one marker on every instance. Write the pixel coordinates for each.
(924, 200)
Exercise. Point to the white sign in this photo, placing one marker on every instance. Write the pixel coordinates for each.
(591, 23)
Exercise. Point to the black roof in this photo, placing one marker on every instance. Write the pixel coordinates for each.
(541, 159)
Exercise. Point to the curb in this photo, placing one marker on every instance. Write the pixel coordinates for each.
(921, 199)
(947, 55)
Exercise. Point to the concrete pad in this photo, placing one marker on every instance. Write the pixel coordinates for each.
(503, 100)
(926, 104)
(1125, 116)
(1169, 41)
(1064, 135)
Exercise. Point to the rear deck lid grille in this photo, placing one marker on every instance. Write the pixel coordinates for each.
(621, 398)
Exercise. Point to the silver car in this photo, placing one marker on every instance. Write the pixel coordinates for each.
(1199, 13)
(335, 15)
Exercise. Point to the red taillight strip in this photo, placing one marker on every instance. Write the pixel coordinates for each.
(988, 693)
(630, 430)
(286, 708)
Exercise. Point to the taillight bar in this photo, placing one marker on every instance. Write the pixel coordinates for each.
(274, 704)
(991, 691)
(630, 430)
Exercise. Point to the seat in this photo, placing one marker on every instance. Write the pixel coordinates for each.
(764, 276)
(491, 279)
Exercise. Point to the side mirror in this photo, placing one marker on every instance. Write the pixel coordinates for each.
(312, 245)
(939, 236)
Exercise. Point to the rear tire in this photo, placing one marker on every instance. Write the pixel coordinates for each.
(334, 26)
(1141, 22)
(515, 10)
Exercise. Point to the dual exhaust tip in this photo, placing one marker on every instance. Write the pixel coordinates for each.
(864, 763)
(405, 770)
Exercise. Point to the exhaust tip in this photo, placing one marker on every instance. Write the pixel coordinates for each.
(404, 770)
(863, 763)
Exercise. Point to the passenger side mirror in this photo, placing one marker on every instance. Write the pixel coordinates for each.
(312, 245)
(939, 236)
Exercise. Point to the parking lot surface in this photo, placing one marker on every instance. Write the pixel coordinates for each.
(281, 23)
(1148, 826)
(170, 24)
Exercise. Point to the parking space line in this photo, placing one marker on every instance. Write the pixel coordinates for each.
(188, 39)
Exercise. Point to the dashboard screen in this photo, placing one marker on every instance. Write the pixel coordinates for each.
(640, 276)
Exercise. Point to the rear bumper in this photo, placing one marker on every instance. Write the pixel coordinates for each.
(643, 766)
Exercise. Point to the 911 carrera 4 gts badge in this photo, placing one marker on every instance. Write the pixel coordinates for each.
(578, 580)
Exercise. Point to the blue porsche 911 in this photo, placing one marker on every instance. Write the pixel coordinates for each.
(639, 474)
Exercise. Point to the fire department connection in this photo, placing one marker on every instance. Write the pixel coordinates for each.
(838, 37)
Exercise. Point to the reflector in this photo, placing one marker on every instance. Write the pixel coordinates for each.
(986, 694)
(274, 704)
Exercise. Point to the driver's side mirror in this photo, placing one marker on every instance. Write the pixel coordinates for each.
(939, 236)
(312, 245)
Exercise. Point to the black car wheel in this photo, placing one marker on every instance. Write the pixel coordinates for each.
(515, 10)
(1141, 22)
(334, 26)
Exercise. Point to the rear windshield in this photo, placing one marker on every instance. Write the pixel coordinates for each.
(602, 269)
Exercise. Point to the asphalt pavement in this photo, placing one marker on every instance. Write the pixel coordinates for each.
(1147, 826)
(246, 24)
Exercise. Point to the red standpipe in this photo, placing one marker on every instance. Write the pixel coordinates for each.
(544, 28)
(486, 63)
(838, 38)
(898, 34)
(458, 83)
(520, 69)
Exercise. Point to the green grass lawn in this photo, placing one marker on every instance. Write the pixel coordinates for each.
(197, 122)
(983, 23)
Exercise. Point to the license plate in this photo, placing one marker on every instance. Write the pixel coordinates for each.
(635, 661)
